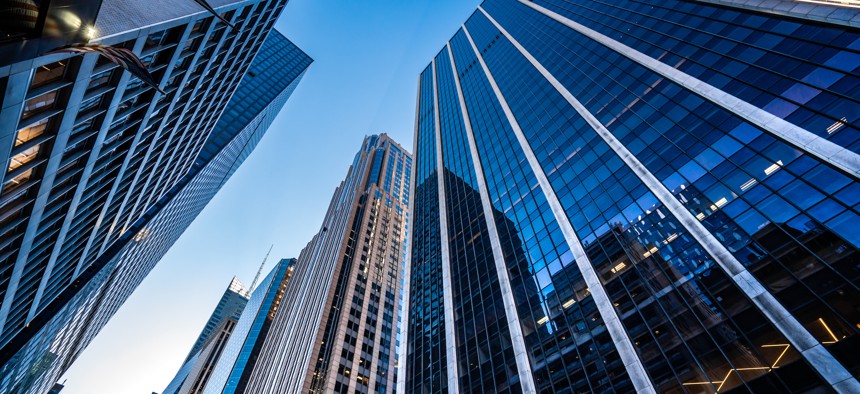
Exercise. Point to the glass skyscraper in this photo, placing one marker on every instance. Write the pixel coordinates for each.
(241, 354)
(200, 362)
(105, 173)
(649, 196)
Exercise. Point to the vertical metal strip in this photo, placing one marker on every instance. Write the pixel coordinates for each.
(407, 275)
(45, 188)
(513, 319)
(818, 357)
(448, 300)
(800, 138)
(626, 352)
(47, 183)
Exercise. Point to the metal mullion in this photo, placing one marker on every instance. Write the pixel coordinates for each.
(814, 352)
(53, 161)
(627, 353)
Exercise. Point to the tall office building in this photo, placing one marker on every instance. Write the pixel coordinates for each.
(240, 356)
(337, 331)
(643, 195)
(196, 369)
(104, 172)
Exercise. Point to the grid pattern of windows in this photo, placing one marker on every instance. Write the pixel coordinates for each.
(113, 154)
(781, 211)
(485, 355)
(357, 346)
(762, 198)
(805, 73)
(535, 251)
(426, 365)
(277, 66)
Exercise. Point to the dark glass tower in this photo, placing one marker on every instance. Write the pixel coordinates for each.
(650, 196)
(105, 173)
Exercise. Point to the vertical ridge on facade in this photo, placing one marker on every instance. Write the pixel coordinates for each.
(817, 356)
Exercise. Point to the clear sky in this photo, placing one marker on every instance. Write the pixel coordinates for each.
(367, 56)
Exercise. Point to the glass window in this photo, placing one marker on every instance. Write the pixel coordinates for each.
(147, 60)
(24, 157)
(90, 103)
(99, 80)
(133, 84)
(19, 180)
(49, 73)
(32, 131)
(199, 26)
(154, 39)
(85, 125)
(39, 103)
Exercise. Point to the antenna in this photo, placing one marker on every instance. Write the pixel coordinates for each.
(260, 271)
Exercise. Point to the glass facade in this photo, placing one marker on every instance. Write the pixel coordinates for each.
(105, 174)
(633, 208)
(240, 355)
(425, 339)
(197, 367)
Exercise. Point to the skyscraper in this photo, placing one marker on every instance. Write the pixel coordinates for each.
(650, 196)
(241, 353)
(200, 362)
(337, 329)
(105, 172)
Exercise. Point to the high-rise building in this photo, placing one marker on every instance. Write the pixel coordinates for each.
(104, 172)
(356, 340)
(649, 196)
(240, 356)
(337, 331)
(196, 369)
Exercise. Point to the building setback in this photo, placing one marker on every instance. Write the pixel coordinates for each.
(649, 196)
(338, 330)
(198, 365)
(105, 172)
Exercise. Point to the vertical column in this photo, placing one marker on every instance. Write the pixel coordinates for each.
(513, 319)
(607, 311)
(815, 353)
(407, 275)
(85, 72)
(448, 298)
(63, 133)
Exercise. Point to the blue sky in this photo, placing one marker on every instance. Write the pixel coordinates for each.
(367, 56)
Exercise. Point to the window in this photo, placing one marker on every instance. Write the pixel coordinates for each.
(90, 103)
(99, 80)
(32, 131)
(154, 39)
(133, 84)
(147, 60)
(49, 73)
(199, 27)
(39, 103)
(24, 157)
(19, 180)
(85, 125)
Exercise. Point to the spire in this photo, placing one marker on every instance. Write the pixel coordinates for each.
(260, 271)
